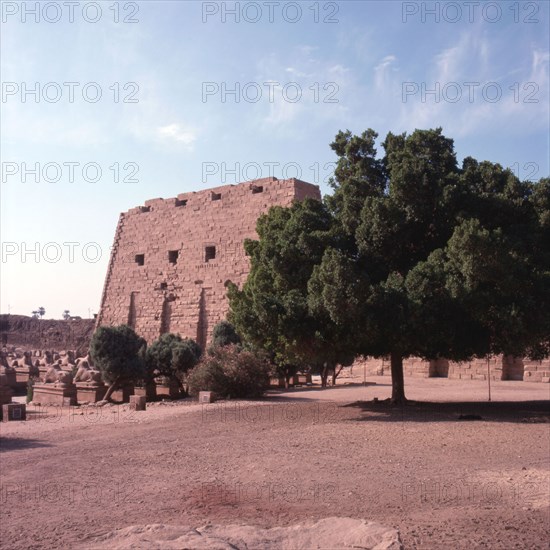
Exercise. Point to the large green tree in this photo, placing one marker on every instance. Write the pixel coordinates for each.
(444, 257)
(412, 255)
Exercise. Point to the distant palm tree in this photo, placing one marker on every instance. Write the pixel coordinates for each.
(66, 315)
(41, 312)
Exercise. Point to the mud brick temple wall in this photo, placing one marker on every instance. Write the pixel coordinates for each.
(171, 258)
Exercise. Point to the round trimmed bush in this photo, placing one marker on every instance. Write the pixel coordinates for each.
(230, 371)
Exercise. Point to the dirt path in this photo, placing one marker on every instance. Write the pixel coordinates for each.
(298, 455)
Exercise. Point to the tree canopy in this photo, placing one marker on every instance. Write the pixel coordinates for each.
(272, 312)
(224, 334)
(411, 255)
(172, 356)
(118, 353)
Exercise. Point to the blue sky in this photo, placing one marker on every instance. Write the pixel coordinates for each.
(163, 124)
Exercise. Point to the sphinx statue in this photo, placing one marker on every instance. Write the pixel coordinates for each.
(87, 374)
(47, 359)
(56, 375)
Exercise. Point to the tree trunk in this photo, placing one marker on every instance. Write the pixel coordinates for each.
(179, 382)
(397, 379)
(324, 376)
(335, 374)
(110, 390)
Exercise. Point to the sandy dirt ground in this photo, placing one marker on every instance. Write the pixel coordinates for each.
(68, 476)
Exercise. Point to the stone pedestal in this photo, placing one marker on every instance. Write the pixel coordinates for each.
(5, 391)
(206, 397)
(149, 391)
(22, 376)
(54, 394)
(300, 379)
(122, 395)
(11, 379)
(170, 390)
(277, 382)
(89, 393)
(42, 370)
(138, 403)
(14, 411)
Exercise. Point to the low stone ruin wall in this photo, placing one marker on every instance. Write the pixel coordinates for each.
(499, 368)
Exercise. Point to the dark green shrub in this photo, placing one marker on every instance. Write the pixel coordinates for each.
(232, 372)
(118, 354)
(224, 334)
(208, 375)
(172, 356)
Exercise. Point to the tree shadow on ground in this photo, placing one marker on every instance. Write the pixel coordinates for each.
(276, 392)
(18, 443)
(529, 412)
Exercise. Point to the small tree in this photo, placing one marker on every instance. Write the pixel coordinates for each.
(41, 312)
(35, 314)
(172, 356)
(118, 354)
(66, 315)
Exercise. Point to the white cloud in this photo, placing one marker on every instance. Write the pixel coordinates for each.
(307, 50)
(521, 107)
(296, 72)
(338, 69)
(319, 87)
(176, 132)
(382, 72)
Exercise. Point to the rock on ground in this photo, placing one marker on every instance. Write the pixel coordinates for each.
(328, 534)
